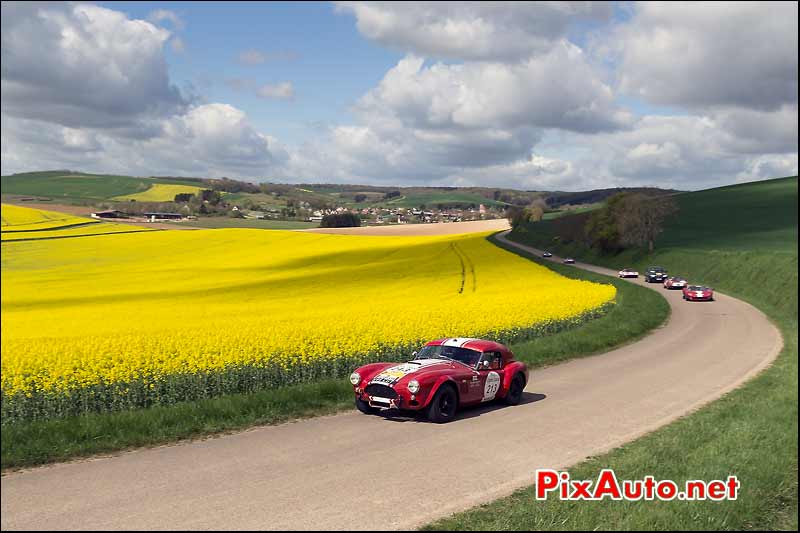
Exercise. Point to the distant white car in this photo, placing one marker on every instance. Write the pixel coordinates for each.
(547, 254)
(675, 282)
(569, 261)
(628, 273)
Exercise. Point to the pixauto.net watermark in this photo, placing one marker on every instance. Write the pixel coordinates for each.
(551, 482)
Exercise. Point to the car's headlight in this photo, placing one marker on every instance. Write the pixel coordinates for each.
(355, 378)
(413, 386)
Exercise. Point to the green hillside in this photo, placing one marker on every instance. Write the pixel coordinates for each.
(750, 216)
(432, 198)
(83, 188)
(742, 240)
(60, 184)
(71, 186)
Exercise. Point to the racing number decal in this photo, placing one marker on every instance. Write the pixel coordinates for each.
(491, 387)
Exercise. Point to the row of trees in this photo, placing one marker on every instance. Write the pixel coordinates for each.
(626, 220)
(340, 220)
(534, 212)
(629, 220)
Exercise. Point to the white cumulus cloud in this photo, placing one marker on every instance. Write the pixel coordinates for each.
(83, 65)
(471, 30)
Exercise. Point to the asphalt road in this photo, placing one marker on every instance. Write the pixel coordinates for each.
(352, 471)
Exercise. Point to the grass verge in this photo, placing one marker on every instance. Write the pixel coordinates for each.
(31, 443)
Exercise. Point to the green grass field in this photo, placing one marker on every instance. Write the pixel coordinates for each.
(431, 199)
(638, 310)
(572, 211)
(743, 241)
(65, 186)
(716, 219)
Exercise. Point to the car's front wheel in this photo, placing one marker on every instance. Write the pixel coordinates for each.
(443, 406)
(515, 390)
(365, 407)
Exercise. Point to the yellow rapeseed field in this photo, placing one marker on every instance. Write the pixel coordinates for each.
(137, 319)
(160, 192)
(24, 219)
(25, 224)
(100, 228)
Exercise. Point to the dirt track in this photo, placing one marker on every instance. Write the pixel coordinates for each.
(449, 228)
(352, 471)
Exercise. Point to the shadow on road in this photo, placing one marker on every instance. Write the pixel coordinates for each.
(465, 413)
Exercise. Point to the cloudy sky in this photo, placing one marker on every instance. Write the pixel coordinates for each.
(546, 95)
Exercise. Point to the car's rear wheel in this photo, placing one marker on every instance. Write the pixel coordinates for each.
(365, 407)
(514, 394)
(443, 406)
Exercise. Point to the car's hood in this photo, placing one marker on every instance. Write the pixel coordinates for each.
(390, 376)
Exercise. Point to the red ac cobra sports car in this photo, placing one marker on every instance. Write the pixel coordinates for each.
(444, 375)
(695, 293)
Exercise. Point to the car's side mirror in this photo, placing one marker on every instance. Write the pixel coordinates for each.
(414, 353)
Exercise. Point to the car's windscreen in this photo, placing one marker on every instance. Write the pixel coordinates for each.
(697, 288)
(464, 355)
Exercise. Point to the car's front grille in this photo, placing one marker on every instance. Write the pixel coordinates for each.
(382, 391)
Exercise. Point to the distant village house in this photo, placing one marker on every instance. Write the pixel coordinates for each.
(152, 217)
(111, 213)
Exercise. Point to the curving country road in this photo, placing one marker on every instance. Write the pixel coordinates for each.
(351, 471)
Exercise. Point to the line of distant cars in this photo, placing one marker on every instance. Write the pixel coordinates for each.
(566, 260)
(657, 274)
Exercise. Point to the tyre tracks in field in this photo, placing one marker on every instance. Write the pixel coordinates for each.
(467, 269)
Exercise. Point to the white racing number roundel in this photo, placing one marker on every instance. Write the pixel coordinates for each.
(491, 387)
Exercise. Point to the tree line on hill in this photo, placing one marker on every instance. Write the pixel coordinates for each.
(558, 199)
(626, 220)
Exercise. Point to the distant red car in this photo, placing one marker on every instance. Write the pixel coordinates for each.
(695, 293)
(444, 375)
(675, 282)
